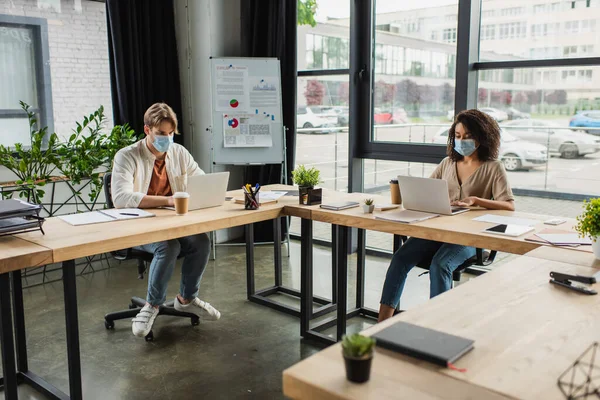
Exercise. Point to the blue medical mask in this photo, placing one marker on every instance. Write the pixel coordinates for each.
(465, 147)
(162, 143)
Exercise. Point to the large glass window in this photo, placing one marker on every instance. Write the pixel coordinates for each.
(414, 70)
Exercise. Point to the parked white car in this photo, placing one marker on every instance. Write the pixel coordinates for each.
(310, 117)
(558, 140)
(498, 115)
(515, 154)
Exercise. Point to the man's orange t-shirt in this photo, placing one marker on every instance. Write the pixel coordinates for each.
(159, 183)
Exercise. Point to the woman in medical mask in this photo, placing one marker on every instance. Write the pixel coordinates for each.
(475, 177)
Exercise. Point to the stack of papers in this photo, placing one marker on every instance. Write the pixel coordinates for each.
(113, 214)
(406, 216)
(564, 239)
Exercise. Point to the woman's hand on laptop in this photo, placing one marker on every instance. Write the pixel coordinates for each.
(466, 202)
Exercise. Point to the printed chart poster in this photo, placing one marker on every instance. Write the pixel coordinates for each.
(247, 130)
(231, 88)
(264, 94)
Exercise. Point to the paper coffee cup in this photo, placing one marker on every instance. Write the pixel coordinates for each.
(181, 200)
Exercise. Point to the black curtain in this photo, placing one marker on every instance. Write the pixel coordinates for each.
(144, 68)
(269, 30)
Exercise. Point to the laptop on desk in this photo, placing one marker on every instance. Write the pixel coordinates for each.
(207, 190)
(425, 198)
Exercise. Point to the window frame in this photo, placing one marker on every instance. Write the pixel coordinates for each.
(39, 27)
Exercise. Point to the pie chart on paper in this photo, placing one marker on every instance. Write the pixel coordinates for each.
(233, 123)
(234, 103)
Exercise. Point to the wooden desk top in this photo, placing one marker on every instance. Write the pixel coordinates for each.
(458, 229)
(16, 254)
(566, 255)
(69, 242)
(527, 332)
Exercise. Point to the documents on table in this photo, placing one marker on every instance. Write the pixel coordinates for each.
(113, 214)
(272, 195)
(564, 239)
(406, 216)
(499, 219)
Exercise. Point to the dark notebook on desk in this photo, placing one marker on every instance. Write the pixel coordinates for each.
(425, 344)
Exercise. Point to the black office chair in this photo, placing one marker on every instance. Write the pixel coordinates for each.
(142, 258)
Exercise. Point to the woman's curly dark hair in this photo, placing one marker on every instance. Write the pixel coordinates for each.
(483, 128)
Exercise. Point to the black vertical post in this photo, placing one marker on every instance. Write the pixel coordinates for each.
(250, 260)
(277, 251)
(6, 339)
(306, 275)
(467, 53)
(20, 335)
(334, 263)
(360, 269)
(342, 280)
(72, 324)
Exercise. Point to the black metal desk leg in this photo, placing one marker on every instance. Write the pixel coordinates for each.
(73, 355)
(306, 275)
(277, 251)
(250, 288)
(342, 290)
(6, 337)
(20, 335)
(334, 263)
(360, 269)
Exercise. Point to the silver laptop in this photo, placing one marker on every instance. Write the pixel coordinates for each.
(207, 190)
(427, 195)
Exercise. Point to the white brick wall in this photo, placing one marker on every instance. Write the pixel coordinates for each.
(78, 43)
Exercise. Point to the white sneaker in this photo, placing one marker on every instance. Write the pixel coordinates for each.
(142, 323)
(201, 308)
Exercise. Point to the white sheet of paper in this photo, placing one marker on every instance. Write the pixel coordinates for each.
(563, 238)
(117, 213)
(246, 130)
(268, 196)
(498, 219)
(87, 218)
(264, 96)
(231, 88)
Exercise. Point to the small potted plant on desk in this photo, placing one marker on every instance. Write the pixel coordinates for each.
(307, 179)
(588, 224)
(358, 355)
(368, 206)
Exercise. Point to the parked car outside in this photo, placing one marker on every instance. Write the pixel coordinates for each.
(400, 116)
(513, 113)
(342, 114)
(310, 117)
(498, 115)
(587, 119)
(558, 140)
(515, 154)
(382, 117)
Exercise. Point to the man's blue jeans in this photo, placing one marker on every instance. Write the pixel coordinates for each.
(195, 249)
(446, 258)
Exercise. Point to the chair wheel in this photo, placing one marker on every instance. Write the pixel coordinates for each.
(149, 337)
(109, 324)
(195, 321)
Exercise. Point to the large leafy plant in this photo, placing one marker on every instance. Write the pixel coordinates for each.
(83, 154)
(588, 223)
(32, 164)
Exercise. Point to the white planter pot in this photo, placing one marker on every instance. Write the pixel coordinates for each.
(596, 247)
(368, 209)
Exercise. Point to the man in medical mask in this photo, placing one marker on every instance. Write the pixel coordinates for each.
(145, 175)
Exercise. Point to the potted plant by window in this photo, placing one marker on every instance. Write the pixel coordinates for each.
(368, 206)
(588, 224)
(307, 179)
(358, 355)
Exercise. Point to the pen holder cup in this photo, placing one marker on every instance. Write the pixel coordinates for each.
(251, 203)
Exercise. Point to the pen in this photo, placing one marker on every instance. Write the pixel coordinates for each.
(130, 214)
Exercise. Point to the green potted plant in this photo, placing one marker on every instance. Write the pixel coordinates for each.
(307, 179)
(368, 206)
(358, 355)
(588, 224)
